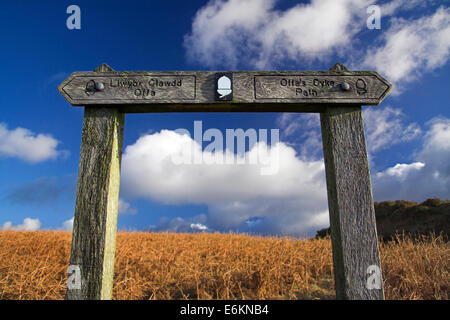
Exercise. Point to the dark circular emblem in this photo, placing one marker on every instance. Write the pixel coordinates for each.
(90, 87)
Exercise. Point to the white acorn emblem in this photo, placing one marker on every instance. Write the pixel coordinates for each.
(223, 86)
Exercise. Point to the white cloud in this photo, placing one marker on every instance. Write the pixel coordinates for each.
(412, 47)
(198, 226)
(427, 177)
(125, 208)
(68, 225)
(233, 193)
(401, 170)
(385, 128)
(28, 224)
(229, 33)
(23, 144)
(148, 170)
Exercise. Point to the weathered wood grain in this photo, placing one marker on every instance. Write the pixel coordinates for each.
(350, 203)
(95, 221)
(185, 91)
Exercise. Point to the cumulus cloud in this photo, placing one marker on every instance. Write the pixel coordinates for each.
(23, 144)
(411, 47)
(233, 193)
(28, 224)
(253, 32)
(149, 170)
(427, 177)
(401, 170)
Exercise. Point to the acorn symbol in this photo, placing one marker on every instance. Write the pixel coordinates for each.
(223, 87)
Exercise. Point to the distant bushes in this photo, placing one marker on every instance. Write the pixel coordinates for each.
(409, 217)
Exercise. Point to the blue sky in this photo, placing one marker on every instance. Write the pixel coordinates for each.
(408, 135)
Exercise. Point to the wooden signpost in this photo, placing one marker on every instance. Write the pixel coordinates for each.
(337, 95)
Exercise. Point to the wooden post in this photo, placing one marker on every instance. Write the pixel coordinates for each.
(357, 270)
(95, 221)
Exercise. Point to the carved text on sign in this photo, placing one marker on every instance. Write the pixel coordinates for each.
(300, 86)
(153, 87)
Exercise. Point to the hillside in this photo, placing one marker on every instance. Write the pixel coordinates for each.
(432, 215)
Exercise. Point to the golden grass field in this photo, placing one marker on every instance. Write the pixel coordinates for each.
(218, 266)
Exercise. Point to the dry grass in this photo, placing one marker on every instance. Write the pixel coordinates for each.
(217, 266)
(416, 269)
